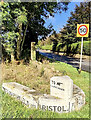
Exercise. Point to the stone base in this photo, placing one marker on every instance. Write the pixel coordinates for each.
(32, 98)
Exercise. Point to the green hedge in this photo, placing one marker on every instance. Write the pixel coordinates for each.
(77, 47)
(47, 47)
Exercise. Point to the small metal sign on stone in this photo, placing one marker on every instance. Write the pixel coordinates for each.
(82, 30)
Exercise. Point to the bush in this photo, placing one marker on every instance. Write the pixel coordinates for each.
(47, 47)
(76, 47)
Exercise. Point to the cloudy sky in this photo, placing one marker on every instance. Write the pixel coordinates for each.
(61, 19)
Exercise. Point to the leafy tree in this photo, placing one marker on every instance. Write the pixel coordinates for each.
(23, 23)
(79, 16)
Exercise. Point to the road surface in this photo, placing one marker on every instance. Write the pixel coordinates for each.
(86, 66)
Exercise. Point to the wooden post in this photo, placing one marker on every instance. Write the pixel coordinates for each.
(33, 51)
(12, 57)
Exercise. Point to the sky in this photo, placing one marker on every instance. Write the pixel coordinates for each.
(59, 20)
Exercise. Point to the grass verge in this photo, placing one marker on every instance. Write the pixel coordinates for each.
(12, 108)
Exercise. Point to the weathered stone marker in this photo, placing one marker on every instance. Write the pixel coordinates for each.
(20, 92)
(61, 87)
(54, 104)
(64, 95)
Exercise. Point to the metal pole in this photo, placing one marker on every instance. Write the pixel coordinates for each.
(81, 54)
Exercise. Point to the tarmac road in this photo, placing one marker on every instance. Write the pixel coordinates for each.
(86, 66)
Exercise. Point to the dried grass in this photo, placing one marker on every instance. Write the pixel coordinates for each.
(34, 75)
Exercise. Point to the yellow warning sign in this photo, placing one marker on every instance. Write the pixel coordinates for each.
(82, 30)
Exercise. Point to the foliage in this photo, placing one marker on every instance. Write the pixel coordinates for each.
(75, 48)
(70, 29)
(24, 23)
(50, 42)
(45, 47)
(64, 40)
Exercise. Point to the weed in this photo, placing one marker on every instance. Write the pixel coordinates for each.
(41, 72)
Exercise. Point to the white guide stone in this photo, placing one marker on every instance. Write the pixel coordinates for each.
(64, 95)
(62, 87)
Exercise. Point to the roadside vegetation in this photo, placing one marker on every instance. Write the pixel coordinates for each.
(23, 23)
(75, 48)
(25, 74)
(66, 40)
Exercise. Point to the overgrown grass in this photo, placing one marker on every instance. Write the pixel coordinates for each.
(13, 108)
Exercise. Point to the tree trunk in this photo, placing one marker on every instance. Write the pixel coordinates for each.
(24, 37)
(19, 42)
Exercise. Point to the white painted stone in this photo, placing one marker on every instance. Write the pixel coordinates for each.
(55, 104)
(79, 97)
(20, 92)
(62, 87)
(32, 98)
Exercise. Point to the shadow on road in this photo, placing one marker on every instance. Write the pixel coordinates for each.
(69, 60)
